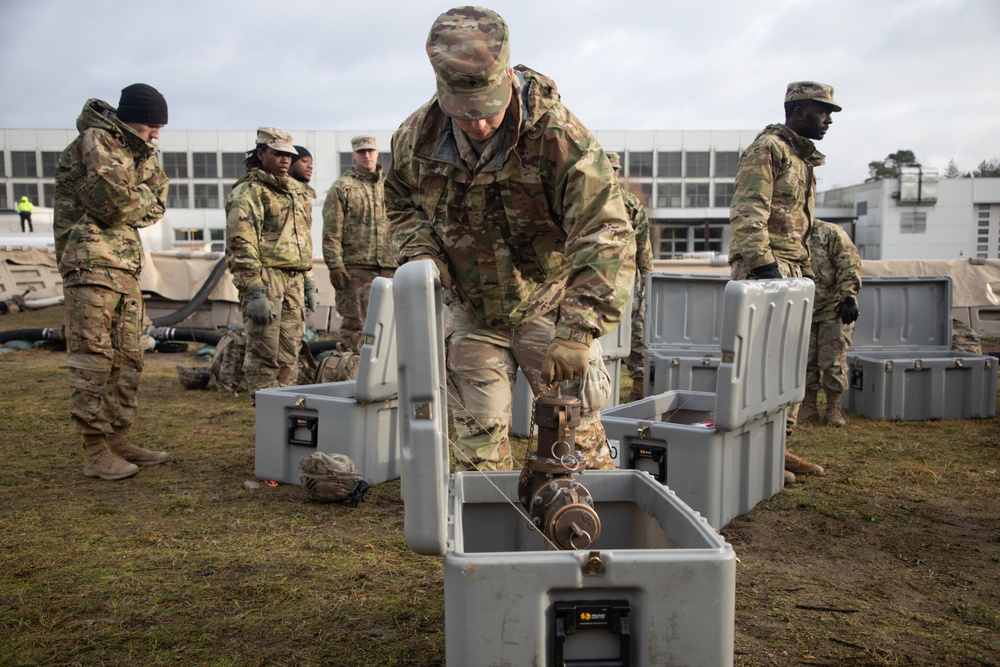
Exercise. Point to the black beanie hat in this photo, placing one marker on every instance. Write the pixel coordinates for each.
(302, 152)
(140, 103)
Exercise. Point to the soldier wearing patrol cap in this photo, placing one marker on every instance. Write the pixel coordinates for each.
(515, 202)
(643, 265)
(774, 201)
(269, 254)
(356, 245)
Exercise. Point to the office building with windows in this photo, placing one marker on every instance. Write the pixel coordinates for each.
(684, 178)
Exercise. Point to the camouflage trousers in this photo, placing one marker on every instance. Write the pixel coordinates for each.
(637, 352)
(827, 364)
(273, 347)
(482, 364)
(739, 269)
(352, 304)
(103, 332)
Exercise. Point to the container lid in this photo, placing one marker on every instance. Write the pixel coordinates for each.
(377, 368)
(903, 313)
(764, 342)
(684, 311)
(423, 407)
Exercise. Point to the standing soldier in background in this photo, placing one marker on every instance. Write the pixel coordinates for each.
(356, 245)
(269, 254)
(836, 269)
(643, 265)
(24, 209)
(302, 165)
(774, 201)
(512, 198)
(109, 185)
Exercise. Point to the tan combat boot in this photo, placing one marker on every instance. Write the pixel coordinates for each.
(100, 461)
(789, 478)
(121, 445)
(799, 466)
(807, 409)
(833, 416)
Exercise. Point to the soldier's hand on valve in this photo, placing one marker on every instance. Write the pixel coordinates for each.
(340, 278)
(259, 308)
(565, 360)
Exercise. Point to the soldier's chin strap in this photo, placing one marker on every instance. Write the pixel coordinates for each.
(357, 494)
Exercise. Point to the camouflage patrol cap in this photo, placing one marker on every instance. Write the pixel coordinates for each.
(616, 161)
(469, 49)
(276, 139)
(811, 90)
(364, 142)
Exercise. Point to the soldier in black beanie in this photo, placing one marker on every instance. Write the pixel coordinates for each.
(302, 165)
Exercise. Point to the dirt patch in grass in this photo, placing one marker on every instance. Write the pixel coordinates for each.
(893, 558)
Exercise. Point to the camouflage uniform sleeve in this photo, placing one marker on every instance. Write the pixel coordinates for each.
(643, 249)
(108, 191)
(845, 257)
(244, 213)
(158, 185)
(409, 227)
(751, 205)
(333, 227)
(600, 244)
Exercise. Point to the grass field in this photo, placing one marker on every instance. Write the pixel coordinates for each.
(893, 558)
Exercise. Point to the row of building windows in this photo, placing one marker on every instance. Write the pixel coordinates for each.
(686, 195)
(639, 164)
(213, 195)
(681, 164)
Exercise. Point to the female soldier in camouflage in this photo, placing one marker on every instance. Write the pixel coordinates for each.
(269, 253)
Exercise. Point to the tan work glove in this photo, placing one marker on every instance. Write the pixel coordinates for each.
(565, 360)
(442, 269)
(339, 278)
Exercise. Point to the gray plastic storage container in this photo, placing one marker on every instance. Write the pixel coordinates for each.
(657, 588)
(357, 417)
(900, 364)
(723, 452)
(682, 331)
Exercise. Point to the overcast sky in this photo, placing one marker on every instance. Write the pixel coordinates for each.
(922, 75)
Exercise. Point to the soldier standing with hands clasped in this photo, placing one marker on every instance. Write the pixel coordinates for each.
(109, 185)
(356, 245)
(269, 254)
(515, 202)
(775, 200)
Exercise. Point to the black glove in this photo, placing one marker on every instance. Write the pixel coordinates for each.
(848, 310)
(766, 272)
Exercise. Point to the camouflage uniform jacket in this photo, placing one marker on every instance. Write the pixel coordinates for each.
(268, 225)
(355, 229)
(643, 249)
(109, 185)
(836, 267)
(540, 226)
(774, 199)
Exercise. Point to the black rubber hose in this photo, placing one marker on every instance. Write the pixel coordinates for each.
(49, 333)
(187, 335)
(317, 346)
(199, 298)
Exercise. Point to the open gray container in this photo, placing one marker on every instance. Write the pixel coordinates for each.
(356, 417)
(661, 580)
(722, 452)
(901, 365)
(682, 331)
